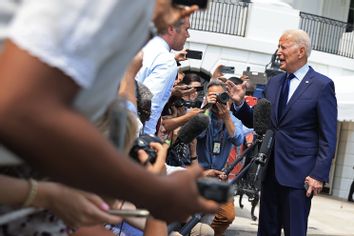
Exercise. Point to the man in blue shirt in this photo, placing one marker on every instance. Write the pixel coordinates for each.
(159, 69)
(215, 143)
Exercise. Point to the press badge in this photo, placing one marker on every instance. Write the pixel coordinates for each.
(216, 147)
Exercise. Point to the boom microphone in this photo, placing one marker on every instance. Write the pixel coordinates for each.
(192, 128)
(266, 146)
(261, 116)
(260, 159)
(178, 155)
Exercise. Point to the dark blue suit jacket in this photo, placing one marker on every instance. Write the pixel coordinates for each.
(305, 135)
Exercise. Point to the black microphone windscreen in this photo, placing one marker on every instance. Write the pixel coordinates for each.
(193, 128)
(261, 116)
(267, 143)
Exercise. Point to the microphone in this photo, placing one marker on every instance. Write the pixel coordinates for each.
(266, 147)
(178, 154)
(192, 129)
(260, 159)
(261, 116)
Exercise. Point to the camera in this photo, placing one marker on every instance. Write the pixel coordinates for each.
(143, 143)
(222, 97)
(189, 104)
(214, 189)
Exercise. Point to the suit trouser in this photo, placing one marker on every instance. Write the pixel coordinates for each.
(351, 192)
(224, 216)
(282, 207)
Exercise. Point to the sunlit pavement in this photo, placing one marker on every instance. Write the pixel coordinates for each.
(328, 216)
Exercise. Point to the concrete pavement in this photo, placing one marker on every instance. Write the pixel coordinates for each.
(328, 217)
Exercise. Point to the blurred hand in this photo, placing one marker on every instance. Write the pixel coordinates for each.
(314, 186)
(236, 92)
(75, 207)
(165, 14)
(182, 193)
(194, 111)
(223, 110)
(182, 90)
(159, 166)
(137, 62)
(217, 72)
(181, 55)
(211, 98)
(214, 173)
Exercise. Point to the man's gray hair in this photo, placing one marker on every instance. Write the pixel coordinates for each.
(300, 38)
(177, 25)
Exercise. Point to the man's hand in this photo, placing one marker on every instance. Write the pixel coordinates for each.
(237, 92)
(223, 111)
(182, 90)
(313, 186)
(214, 173)
(159, 166)
(181, 55)
(194, 111)
(217, 72)
(183, 196)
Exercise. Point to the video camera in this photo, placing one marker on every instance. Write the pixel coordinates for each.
(143, 143)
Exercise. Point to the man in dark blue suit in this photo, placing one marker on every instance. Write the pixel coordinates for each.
(304, 120)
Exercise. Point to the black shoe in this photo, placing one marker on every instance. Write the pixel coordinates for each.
(350, 200)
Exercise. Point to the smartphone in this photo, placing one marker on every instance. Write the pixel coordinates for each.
(202, 4)
(130, 213)
(194, 54)
(227, 69)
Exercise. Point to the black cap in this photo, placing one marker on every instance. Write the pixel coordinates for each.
(236, 80)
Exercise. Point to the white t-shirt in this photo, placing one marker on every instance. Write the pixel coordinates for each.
(92, 41)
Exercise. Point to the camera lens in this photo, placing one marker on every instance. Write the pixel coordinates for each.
(223, 97)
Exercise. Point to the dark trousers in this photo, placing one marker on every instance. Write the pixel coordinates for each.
(282, 207)
(351, 192)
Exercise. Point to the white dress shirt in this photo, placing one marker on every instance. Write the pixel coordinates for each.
(91, 41)
(294, 83)
(158, 73)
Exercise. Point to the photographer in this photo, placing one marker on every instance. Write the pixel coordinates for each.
(168, 130)
(215, 143)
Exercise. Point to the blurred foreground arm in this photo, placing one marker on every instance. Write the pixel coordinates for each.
(39, 124)
(76, 208)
